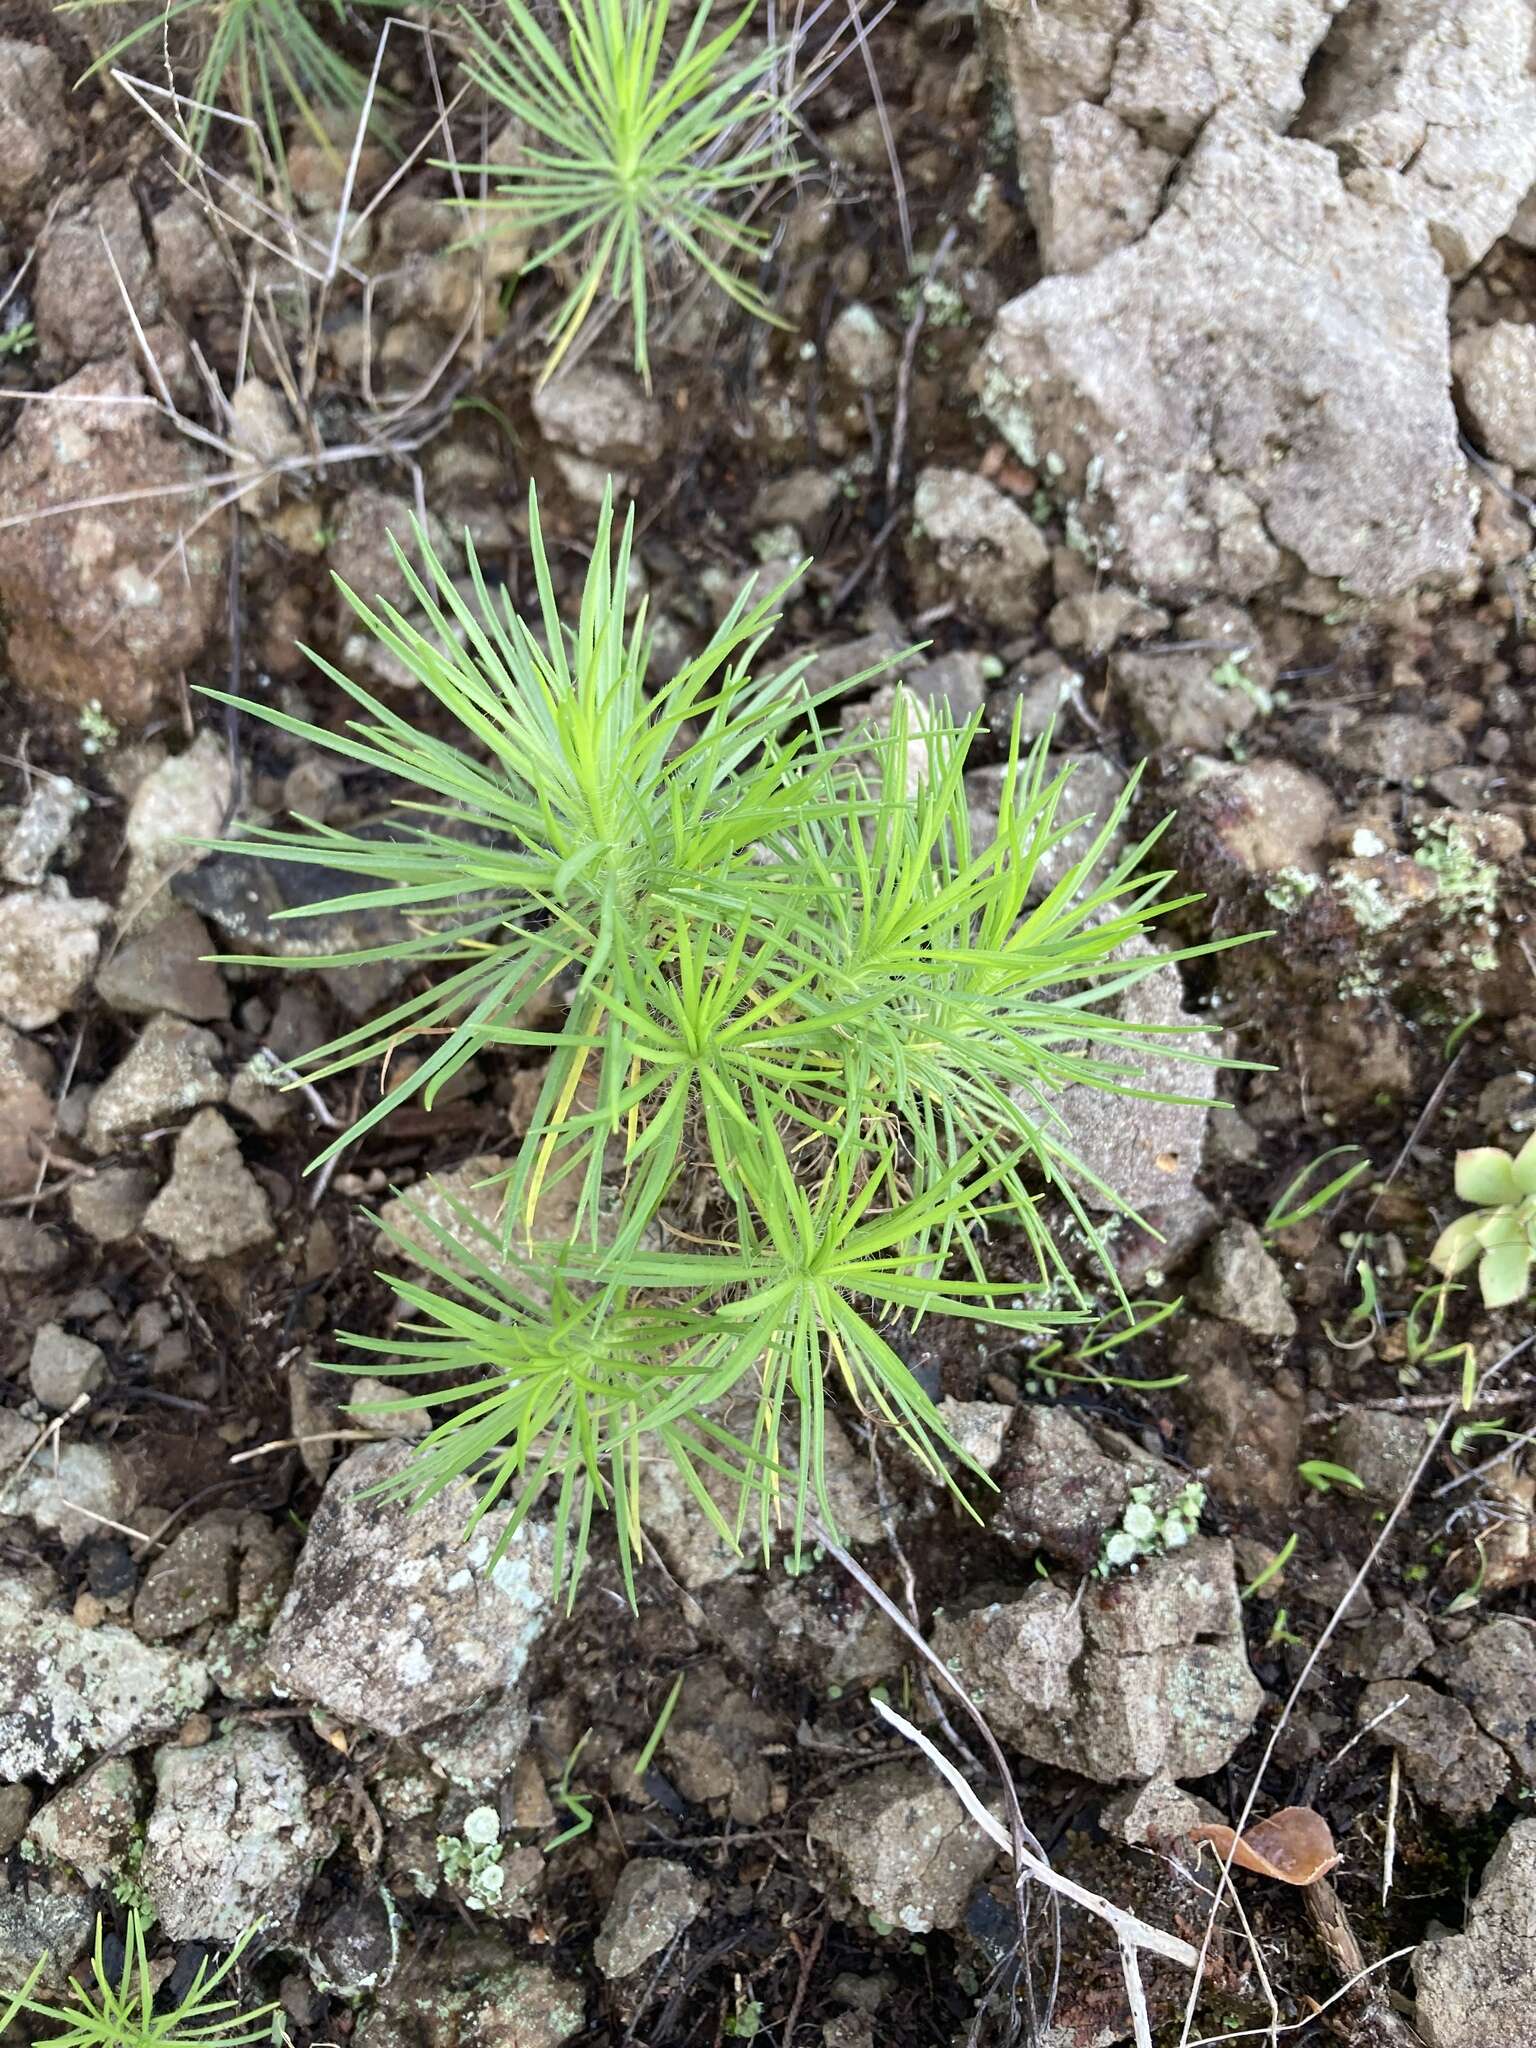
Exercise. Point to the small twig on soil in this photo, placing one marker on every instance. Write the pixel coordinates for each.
(1361, 1733)
(1389, 1844)
(909, 343)
(1131, 1934)
(50, 1433)
(807, 1965)
(107, 1522)
(1345, 1991)
(319, 1436)
(1025, 1846)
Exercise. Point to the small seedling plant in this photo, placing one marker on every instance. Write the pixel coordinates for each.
(268, 59)
(638, 133)
(118, 2007)
(808, 1044)
(1498, 1234)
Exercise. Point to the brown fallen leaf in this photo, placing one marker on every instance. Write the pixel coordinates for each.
(1294, 1845)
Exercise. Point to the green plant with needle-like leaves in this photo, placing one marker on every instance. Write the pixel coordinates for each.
(803, 1072)
(1498, 1236)
(639, 136)
(119, 2010)
(265, 58)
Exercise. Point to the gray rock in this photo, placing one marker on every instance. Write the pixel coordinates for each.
(393, 1620)
(30, 1250)
(1494, 1673)
(1433, 108)
(1181, 700)
(980, 1428)
(1147, 1153)
(213, 1206)
(1094, 620)
(103, 605)
(109, 1205)
(1146, 1674)
(184, 797)
(473, 1994)
(62, 1368)
(90, 1825)
(1092, 185)
(1262, 816)
(1480, 1986)
(861, 352)
(1241, 1283)
(1450, 1763)
(652, 1903)
(1068, 1480)
(67, 1691)
(55, 1924)
(165, 969)
(1164, 66)
(193, 1581)
(1156, 1815)
(356, 1948)
(47, 819)
(973, 544)
(714, 1747)
(1391, 1644)
(1496, 376)
(1397, 746)
(231, 1838)
(80, 304)
(602, 414)
(1174, 390)
(904, 1845)
(49, 941)
(26, 1110)
(15, 1810)
(73, 1495)
(34, 124)
(1381, 1449)
(169, 1070)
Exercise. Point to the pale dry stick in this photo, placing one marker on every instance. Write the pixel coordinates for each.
(1024, 1843)
(122, 1528)
(909, 343)
(50, 1434)
(31, 256)
(1360, 1734)
(1224, 1885)
(898, 183)
(319, 1436)
(1389, 1845)
(1131, 1935)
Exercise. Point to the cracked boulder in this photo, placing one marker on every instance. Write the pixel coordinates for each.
(393, 1620)
(104, 606)
(1480, 1985)
(1145, 1674)
(1217, 415)
(1431, 104)
(1107, 94)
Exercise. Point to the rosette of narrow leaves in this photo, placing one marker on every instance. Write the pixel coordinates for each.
(805, 1073)
(635, 136)
(118, 2009)
(266, 58)
(1498, 1236)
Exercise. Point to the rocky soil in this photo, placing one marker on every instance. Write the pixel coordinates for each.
(1198, 431)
